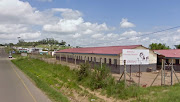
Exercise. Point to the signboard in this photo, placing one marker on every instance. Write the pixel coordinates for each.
(135, 56)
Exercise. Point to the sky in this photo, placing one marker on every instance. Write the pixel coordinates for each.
(91, 22)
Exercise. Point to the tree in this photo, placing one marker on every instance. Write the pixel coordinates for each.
(156, 46)
(177, 46)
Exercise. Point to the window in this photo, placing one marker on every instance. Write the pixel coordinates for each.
(115, 61)
(104, 60)
(94, 59)
(167, 61)
(109, 61)
(91, 59)
(177, 61)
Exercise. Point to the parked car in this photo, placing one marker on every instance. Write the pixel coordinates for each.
(10, 56)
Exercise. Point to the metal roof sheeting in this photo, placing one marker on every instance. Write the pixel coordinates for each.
(170, 53)
(99, 50)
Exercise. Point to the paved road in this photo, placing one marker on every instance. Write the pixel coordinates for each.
(15, 86)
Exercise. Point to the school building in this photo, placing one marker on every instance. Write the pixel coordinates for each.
(110, 55)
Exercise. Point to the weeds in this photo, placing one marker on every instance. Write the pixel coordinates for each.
(52, 77)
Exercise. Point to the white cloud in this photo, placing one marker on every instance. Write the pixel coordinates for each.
(130, 33)
(178, 30)
(19, 12)
(77, 35)
(96, 36)
(88, 31)
(12, 28)
(125, 24)
(64, 26)
(74, 25)
(68, 13)
(111, 35)
(32, 35)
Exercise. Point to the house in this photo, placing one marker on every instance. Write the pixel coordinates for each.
(170, 56)
(109, 55)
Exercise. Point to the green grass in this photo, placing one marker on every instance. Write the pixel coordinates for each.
(43, 76)
(51, 78)
(53, 47)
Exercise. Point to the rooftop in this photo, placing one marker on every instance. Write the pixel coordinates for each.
(99, 50)
(170, 53)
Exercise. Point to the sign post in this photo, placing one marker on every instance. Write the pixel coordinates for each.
(125, 73)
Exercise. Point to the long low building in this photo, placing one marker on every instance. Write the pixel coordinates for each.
(110, 55)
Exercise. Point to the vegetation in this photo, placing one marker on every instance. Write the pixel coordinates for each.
(46, 41)
(48, 44)
(156, 46)
(177, 46)
(56, 81)
(53, 78)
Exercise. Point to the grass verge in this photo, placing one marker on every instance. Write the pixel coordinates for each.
(55, 79)
(34, 69)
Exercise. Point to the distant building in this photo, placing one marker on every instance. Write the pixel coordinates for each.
(170, 56)
(110, 55)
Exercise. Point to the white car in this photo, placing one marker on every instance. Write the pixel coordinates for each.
(10, 56)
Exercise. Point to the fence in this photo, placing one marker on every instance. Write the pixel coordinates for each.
(143, 75)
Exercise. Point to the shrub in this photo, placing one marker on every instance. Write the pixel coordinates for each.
(84, 71)
(99, 77)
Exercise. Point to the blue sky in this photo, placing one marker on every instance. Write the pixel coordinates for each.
(92, 22)
(142, 12)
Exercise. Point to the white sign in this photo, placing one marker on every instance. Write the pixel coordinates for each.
(135, 56)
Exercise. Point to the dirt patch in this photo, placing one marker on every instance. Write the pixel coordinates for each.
(147, 78)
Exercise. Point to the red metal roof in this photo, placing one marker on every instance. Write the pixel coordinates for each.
(174, 53)
(99, 50)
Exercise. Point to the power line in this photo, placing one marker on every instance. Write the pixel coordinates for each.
(159, 31)
(145, 34)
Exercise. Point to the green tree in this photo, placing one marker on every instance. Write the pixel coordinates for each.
(156, 46)
(177, 46)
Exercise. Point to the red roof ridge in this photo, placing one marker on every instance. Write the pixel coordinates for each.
(111, 46)
(99, 50)
(166, 49)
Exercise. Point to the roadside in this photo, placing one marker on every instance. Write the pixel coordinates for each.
(62, 79)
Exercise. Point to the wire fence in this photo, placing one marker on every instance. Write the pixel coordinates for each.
(143, 75)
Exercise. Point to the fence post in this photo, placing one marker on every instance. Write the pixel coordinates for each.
(172, 72)
(60, 58)
(101, 62)
(162, 72)
(66, 58)
(125, 73)
(75, 59)
(130, 72)
(139, 76)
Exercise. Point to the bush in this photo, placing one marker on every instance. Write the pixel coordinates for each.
(99, 77)
(84, 71)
